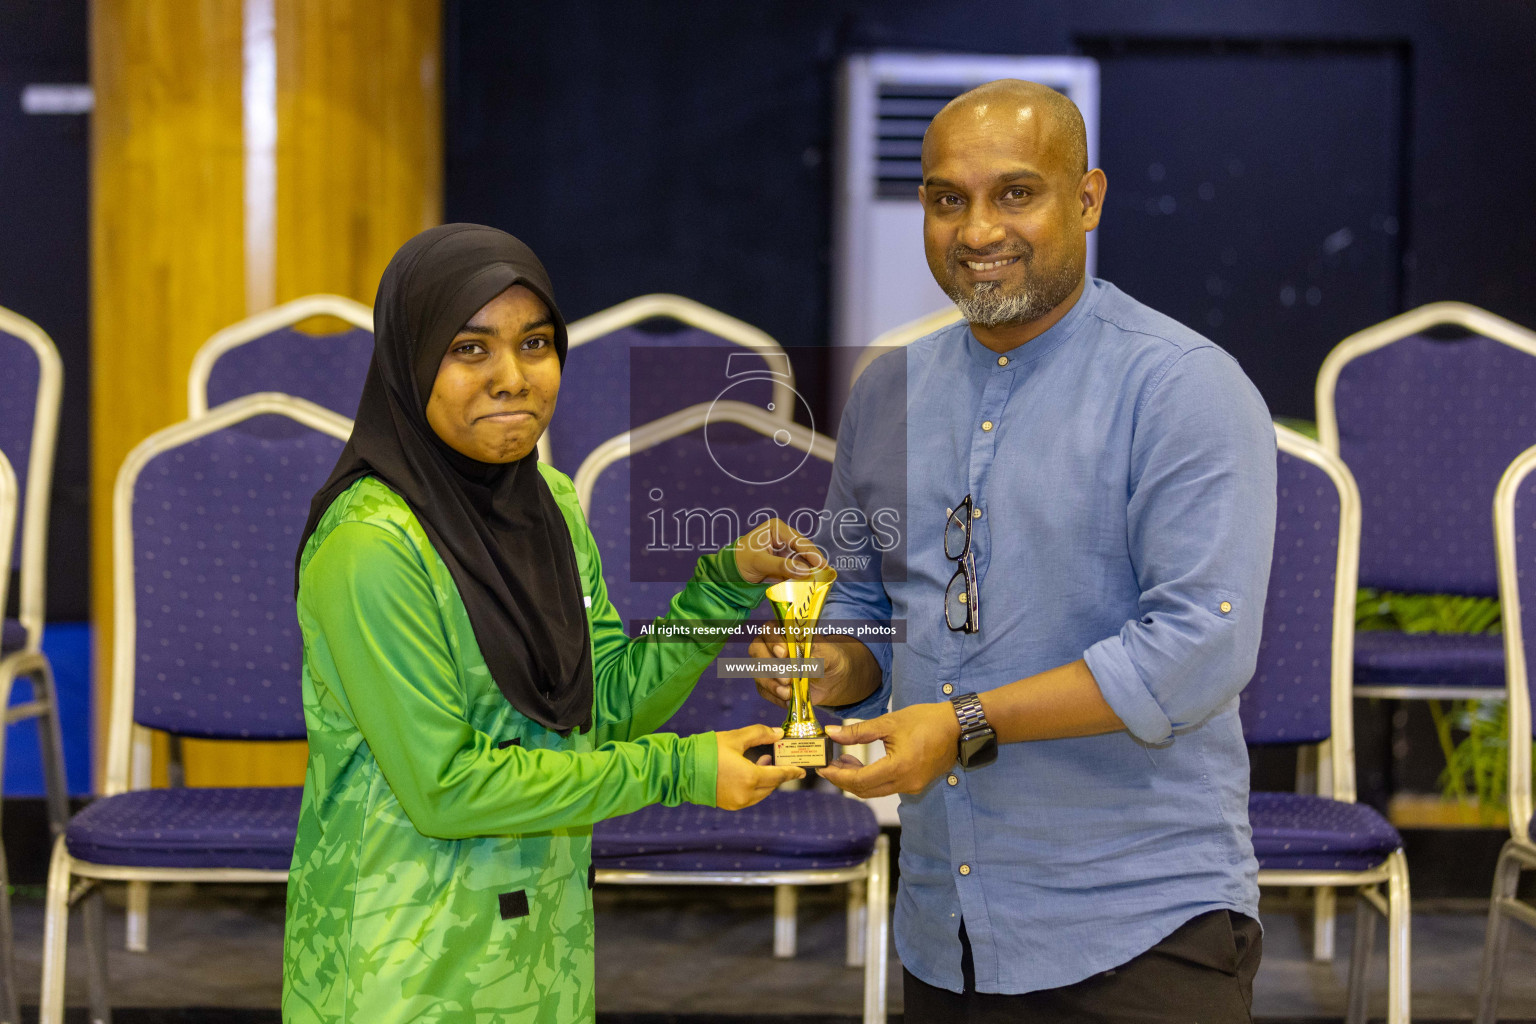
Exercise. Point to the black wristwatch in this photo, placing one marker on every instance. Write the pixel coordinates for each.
(978, 743)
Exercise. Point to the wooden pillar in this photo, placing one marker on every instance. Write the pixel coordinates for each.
(359, 130)
(244, 152)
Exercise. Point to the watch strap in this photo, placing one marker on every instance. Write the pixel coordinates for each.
(968, 709)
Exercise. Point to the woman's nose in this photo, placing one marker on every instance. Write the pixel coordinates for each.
(507, 375)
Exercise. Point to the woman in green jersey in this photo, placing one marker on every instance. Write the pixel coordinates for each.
(472, 703)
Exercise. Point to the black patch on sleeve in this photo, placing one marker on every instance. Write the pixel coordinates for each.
(514, 904)
(591, 876)
(504, 744)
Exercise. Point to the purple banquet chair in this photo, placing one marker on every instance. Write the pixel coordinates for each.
(207, 516)
(267, 352)
(608, 386)
(1514, 524)
(1300, 695)
(731, 459)
(1427, 427)
(29, 417)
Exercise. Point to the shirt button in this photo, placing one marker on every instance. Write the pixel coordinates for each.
(975, 513)
(949, 688)
(965, 869)
(986, 425)
(1225, 606)
(1002, 360)
(953, 780)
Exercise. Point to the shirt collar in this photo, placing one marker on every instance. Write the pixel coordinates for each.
(1035, 348)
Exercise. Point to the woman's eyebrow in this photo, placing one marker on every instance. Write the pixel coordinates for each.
(487, 331)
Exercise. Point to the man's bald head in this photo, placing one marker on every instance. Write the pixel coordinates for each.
(1008, 201)
(1061, 121)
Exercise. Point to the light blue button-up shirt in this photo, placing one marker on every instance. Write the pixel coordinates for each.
(1124, 468)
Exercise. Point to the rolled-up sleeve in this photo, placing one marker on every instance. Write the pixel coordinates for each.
(1200, 530)
(868, 603)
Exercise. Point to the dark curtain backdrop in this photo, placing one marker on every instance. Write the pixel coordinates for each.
(1280, 174)
(44, 254)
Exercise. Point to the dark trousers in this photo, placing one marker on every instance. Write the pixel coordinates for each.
(1201, 974)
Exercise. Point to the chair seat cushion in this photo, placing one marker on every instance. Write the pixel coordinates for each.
(13, 636)
(788, 831)
(1389, 658)
(1298, 832)
(189, 828)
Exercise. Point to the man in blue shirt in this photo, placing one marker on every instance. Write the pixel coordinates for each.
(1089, 490)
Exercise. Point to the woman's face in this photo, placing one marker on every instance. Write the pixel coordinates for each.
(496, 386)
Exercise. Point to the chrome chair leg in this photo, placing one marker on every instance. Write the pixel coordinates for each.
(136, 934)
(50, 744)
(877, 931)
(44, 707)
(1324, 912)
(94, 919)
(1506, 883)
(857, 913)
(55, 937)
(1360, 960)
(1399, 942)
(785, 901)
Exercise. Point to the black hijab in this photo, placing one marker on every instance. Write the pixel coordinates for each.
(497, 527)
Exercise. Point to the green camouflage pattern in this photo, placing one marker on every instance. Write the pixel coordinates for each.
(416, 820)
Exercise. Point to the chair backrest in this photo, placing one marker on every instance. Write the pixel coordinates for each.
(615, 357)
(702, 473)
(905, 334)
(29, 426)
(207, 516)
(267, 353)
(1514, 525)
(1427, 427)
(1300, 691)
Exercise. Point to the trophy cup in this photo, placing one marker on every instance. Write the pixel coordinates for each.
(797, 603)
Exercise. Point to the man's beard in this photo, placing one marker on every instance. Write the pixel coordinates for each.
(987, 304)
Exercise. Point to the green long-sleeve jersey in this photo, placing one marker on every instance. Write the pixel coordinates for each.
(442, 868)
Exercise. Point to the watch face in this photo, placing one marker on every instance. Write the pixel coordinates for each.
(979, 749)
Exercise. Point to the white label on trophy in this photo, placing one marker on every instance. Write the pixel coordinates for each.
(802, 752)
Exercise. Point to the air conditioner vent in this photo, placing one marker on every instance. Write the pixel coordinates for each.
(903, 115)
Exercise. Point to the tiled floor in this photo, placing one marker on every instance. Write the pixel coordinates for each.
(707, 954)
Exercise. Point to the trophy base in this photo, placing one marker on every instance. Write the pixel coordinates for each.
(803, 752)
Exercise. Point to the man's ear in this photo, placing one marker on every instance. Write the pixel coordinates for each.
(1091, 191)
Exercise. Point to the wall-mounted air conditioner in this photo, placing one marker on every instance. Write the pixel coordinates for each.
(880, 279)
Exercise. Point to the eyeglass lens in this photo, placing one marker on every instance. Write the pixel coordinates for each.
(957, 609)
(957, 531)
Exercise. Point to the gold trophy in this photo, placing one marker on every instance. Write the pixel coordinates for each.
(797, 603)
